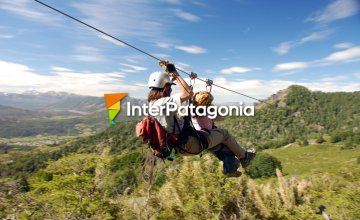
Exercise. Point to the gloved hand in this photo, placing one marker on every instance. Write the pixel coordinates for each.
(167, 66)
(170, 69)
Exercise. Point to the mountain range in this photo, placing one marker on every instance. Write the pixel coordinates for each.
(53, 113)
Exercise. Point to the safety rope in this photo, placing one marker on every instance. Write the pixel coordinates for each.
(138, 49)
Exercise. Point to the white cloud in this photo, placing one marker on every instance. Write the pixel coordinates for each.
(348, 55)
(28, 9)
(60, 69)
(88, 58)
(316, 36)
(126, 18)
(105, 37)
(199, 3)
(164, 45)
(186, 15)
(88, 54)
(262, 89)
(6, 36)
(182, 65)
(345, 55)
(173, 1)
(162, 56)
(208, 71)
(236, 69)
(334, 78)
(133, 68)
(285, 47)
(192, 49)
(343, 45)
(290, 66)
(16, 77)
(338, 9)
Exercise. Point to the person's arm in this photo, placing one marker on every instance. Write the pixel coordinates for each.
(185, 90)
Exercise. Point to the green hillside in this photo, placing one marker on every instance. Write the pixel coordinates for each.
(298, 115)
(316, 159)
(109, 175)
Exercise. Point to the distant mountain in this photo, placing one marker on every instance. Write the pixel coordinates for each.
(56, 113)
(11, 113)
(55, 101)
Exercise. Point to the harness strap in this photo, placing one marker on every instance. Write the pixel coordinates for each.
(176, 123)
(185, 132)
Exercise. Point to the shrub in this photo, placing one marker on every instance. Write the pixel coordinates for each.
(23, 184)
(44, 175)
(304, 142)
(335, 138)
(120, 180)
(348, 145)
(320, 139)
(264, 165)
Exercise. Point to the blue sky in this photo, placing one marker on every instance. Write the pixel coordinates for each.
(255, 47)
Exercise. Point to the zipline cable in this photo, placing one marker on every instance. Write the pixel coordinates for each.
(136, 48)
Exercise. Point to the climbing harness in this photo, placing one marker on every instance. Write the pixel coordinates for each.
(138, 49)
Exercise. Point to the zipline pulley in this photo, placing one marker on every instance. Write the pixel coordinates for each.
(209, 84)
(193, 77)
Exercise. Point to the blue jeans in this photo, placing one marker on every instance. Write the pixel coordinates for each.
(230, 162)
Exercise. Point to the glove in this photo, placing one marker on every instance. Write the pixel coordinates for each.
(168, 67)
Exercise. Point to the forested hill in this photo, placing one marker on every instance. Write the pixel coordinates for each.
(298, 114)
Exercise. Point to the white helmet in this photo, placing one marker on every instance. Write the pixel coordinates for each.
(159, 80)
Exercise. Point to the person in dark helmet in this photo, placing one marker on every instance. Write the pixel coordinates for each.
(160, 84)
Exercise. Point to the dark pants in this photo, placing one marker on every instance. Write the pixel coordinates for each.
(230, 162)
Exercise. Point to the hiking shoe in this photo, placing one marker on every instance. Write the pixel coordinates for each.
(249, 155)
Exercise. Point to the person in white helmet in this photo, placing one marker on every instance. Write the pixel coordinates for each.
(161, 93)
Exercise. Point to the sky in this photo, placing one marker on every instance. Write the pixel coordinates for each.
(256, 47)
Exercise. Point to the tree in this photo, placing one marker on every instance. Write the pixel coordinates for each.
(320, 139)
(264, 165)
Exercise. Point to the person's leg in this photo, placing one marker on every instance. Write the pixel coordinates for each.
(218, 136)
(230, 162)
(192, 146)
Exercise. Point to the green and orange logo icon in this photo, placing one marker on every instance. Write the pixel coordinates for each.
(113, 104)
